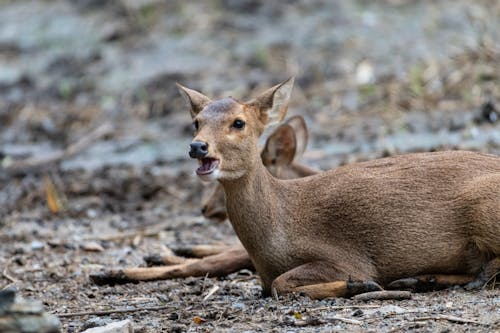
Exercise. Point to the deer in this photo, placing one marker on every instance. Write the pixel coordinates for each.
(408, 219)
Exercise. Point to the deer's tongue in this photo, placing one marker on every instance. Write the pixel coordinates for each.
(207, 166)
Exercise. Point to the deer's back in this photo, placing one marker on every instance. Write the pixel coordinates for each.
(409, 214)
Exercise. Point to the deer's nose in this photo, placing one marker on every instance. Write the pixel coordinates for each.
(198, 149)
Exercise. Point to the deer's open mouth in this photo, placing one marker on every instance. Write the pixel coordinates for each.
(207, 165)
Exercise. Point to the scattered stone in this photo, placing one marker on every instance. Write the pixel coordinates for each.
(357, 313)
(124, 326)
(37, 245)
(96, 322)
(488, 113)
(22, 316)
(92, 247)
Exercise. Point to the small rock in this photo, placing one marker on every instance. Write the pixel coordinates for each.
(37, 245)
(7, 298)
(365, 73)
(124, 326)
(18, 315)
(489, 112)
(239, 306)
(96, 322)
(92, 247)
(357, 313)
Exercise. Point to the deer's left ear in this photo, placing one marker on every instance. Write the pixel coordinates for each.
(280, 147)
(196, 101)
(272, 105)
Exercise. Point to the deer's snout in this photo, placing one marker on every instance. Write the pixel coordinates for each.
(198, 149)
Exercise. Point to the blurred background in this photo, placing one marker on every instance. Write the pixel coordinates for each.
(372, 76)
(94, 135)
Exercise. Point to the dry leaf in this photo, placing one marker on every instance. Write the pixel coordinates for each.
(198, 320)
(52, 196)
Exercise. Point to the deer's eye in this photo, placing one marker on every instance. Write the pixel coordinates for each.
(196, 125)
(238, 124)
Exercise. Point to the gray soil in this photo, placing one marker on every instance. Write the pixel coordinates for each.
(373, 78)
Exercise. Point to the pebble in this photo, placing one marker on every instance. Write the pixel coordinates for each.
(18, 315)
(37, 245)
(124, 326)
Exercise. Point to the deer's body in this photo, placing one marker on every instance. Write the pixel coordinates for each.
(380, 220)
(388, 219)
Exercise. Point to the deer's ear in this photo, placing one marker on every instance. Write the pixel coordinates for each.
(273, 103)
(195, 100)
(301, 134)
(280, 147)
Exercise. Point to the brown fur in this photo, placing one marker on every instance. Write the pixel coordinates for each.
(397, 217)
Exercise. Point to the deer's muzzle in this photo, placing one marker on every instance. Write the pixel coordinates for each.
(198, 149)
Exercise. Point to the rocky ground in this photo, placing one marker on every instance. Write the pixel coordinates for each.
(373, 78)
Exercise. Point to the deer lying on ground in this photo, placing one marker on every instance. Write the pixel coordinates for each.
(282, 147)
(417, 217)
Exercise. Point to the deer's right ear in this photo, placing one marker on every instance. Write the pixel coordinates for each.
(273, 103)
(280, 147)
(195, 100)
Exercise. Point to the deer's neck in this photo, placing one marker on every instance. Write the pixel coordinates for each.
(254, 203)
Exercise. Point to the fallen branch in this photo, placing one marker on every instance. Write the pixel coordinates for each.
(452, 319)
(383, 295)
(342, 307)
(107, 312)
(347, 320)
(18, 167)
(6, 273)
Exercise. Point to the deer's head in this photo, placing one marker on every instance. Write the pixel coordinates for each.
(227, 131)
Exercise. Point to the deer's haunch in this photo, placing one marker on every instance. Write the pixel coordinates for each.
(343, 231)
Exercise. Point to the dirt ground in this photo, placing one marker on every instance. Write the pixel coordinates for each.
(373, 78)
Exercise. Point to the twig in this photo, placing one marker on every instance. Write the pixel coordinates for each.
(6, 273)
(452, 319)
(211, 292)
(347, 320)
(492, 278)
(342, 307)
(106, 312)
(383, 295)
(31, 163)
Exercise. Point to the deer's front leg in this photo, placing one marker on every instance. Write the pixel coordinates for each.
(320, 280)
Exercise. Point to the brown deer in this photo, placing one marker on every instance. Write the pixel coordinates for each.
(420, 217)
